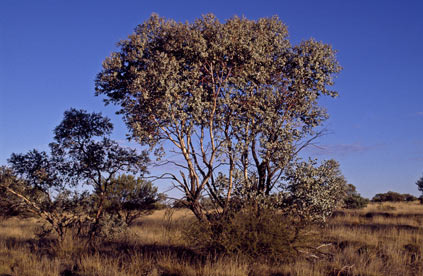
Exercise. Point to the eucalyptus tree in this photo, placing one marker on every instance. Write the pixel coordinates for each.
(235, 100)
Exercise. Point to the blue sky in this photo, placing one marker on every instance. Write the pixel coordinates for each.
(51, 51)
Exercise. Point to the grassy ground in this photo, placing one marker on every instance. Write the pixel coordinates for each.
(383, 239)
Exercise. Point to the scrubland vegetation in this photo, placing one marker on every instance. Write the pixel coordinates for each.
(382, 239)
(227, 107)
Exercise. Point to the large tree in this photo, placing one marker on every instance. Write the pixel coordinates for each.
(236, 100)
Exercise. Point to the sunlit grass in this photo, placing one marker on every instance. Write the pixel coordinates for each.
(382, 239)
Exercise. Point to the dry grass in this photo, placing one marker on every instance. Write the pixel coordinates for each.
(382, 239)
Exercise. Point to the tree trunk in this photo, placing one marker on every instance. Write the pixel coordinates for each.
(195, 207)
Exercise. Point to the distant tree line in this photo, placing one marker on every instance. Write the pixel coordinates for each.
(393, 197)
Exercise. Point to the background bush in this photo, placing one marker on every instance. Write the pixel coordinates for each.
(353, 199)
(356, 202)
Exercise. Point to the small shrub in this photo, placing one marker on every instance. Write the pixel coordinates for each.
(410, 198)
(268, 236)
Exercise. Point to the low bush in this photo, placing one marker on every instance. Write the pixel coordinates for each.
(267, 235)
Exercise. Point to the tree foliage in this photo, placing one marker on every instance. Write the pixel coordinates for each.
(236, 100)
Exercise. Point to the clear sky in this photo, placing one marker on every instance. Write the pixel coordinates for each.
(51, 51)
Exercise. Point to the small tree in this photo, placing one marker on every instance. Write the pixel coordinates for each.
(129, 197)
(84, 150)
(82, 154)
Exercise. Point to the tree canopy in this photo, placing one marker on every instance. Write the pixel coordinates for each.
(235, 99)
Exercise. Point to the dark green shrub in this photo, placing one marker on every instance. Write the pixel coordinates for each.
(130, 197)
(355, 201)
(266, 235)
(409, 197)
